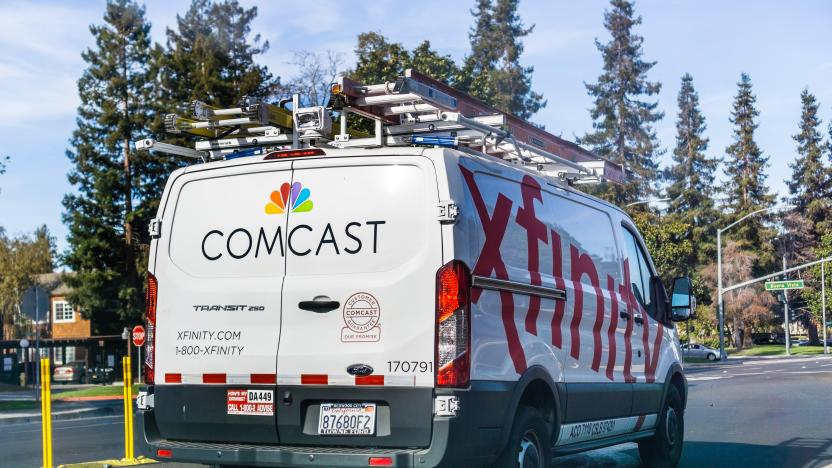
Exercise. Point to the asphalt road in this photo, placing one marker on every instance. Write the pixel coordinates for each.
(74, 441)
(762, 413)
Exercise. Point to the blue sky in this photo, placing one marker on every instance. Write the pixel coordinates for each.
(784, 46)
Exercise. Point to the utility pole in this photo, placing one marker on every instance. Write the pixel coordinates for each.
(823, 305)
(37, 340)
(720, 310)
(786, 312)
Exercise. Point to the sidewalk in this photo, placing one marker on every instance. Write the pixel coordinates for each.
(783, 358)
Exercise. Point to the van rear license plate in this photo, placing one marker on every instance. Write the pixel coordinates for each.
(347, 419)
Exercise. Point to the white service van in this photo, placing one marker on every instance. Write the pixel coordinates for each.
(402, 306)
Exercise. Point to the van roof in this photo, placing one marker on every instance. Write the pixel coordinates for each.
(408, 150)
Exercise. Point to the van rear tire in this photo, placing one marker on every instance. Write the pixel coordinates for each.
(664, 449)
(530, 442)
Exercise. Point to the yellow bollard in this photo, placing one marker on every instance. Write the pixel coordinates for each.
(46, 411)
(128, 407)
(130, 403)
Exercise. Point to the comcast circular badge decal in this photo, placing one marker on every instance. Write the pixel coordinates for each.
(361, 317)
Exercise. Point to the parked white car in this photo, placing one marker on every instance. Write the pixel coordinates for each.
(700, 351)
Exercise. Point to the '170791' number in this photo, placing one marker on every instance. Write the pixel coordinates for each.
(409, 366)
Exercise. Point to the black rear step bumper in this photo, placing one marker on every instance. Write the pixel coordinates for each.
(272, 455)
(469, 439)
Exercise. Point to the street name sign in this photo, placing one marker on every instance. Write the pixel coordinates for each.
(781, 285)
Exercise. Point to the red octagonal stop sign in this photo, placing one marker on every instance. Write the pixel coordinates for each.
(138, 335)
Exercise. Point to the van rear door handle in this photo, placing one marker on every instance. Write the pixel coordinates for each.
(638, 319)
(320, 305)
(624, 315)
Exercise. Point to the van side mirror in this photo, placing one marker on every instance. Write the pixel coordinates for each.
(682, 301)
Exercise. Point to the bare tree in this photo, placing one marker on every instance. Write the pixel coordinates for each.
(316, 72)
(748, 308)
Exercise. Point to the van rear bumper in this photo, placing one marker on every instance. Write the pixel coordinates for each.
(469, 439)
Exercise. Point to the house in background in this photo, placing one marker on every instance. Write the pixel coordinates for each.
(46, 304)
(64, 334)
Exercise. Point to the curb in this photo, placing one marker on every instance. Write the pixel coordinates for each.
(111, 463)
(61, 416)
(94, 398)
(783, 356)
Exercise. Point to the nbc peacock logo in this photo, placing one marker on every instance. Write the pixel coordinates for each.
(292, 198)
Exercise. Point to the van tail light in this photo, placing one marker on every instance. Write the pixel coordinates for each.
(453, 325)
(150, 332)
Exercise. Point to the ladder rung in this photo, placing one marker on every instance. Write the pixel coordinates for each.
(383, 99)
(242, 142)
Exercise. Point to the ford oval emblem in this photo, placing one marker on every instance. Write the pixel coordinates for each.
(360, 370)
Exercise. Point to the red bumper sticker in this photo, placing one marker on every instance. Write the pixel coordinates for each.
(250, 402)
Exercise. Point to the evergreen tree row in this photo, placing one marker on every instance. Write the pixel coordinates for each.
(128, 85)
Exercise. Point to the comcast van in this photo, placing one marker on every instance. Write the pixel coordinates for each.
(402, 307)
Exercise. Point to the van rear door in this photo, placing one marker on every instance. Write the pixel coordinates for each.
(363, 248)
(220, 267)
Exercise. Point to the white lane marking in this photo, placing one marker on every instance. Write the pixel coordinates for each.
(693, 378)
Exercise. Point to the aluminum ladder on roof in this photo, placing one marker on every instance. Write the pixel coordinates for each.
(417, 109)
(413, 110)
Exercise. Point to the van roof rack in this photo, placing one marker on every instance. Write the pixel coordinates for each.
(412, 110)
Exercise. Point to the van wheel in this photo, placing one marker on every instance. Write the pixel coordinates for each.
(712, 357)
(664, 449)
(529, 445)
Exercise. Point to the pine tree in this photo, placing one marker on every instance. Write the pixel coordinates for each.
(377, 59)
(430, 62)
(105, 248)
(380, 60)
(810, 182)
(622, 115)
(745, 166)
(492, 72)
(691, 176)
(209, 56)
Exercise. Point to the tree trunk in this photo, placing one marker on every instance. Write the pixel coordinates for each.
(128, 201)
(814, 339)
(738, 331)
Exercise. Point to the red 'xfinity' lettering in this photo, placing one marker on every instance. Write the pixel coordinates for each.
(626, 292)
(490, 260)
(560, 306)
(613, 326)
(582, 264)
(651, 356)
(535, 231)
